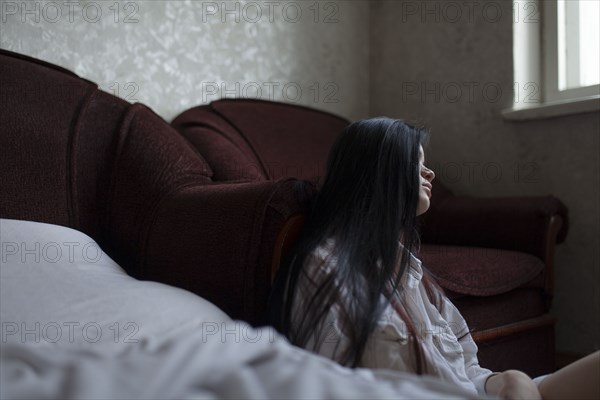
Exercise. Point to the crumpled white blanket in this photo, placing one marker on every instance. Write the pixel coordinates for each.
(78, 327)
(187, 368)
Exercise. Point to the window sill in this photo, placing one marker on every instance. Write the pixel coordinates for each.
(554, 109)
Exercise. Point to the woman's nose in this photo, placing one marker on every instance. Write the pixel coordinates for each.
(428, 174)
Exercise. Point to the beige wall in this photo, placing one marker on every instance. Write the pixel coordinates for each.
(475, 152)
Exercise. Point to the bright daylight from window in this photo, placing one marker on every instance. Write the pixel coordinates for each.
(578, 43)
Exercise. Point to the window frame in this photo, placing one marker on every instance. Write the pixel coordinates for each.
(535, 53)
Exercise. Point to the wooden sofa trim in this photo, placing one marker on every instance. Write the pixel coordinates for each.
(513, 329)
(554, 226)
(286, 237)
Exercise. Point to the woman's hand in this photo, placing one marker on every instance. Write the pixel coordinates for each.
(513, 385)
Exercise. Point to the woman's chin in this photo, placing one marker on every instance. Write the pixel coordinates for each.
(422, 210)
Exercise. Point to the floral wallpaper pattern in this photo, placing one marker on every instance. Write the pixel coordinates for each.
(172, 55)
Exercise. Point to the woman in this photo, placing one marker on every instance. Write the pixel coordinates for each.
(351, 289)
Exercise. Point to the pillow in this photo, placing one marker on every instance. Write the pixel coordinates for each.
(57, 287)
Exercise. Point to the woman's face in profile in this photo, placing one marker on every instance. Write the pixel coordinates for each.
(426, 176)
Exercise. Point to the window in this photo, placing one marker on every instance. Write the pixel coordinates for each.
(556, 58)
(571, 44)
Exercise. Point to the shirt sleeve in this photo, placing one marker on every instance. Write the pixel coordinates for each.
(476, 374)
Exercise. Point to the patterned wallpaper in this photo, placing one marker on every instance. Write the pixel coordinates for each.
(172, 55)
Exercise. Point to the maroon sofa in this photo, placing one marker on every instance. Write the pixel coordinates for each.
(493, 256)
(76, 156)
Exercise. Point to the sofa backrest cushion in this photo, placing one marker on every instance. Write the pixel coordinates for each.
(225, 148)
(257, 140)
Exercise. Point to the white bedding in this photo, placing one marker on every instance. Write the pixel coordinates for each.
(74, 325)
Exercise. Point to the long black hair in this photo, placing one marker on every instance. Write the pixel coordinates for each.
(367, 203)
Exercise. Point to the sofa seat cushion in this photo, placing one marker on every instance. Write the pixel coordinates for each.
(517, 305)
(478, 271)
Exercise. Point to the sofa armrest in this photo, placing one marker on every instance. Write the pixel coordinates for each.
(527, 224)
(218, 241)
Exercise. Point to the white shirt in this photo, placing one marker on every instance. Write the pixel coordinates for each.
(388, 346)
